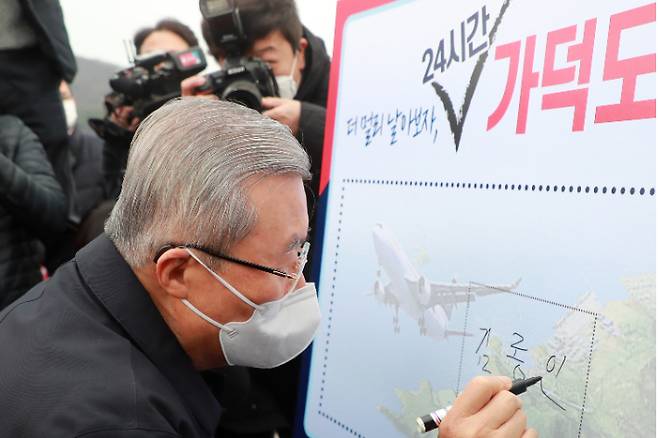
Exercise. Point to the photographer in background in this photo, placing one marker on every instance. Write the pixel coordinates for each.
(167, 35)
(299, 62)
(119, 125)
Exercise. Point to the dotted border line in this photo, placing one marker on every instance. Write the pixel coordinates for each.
(461, 354)
(589, 363)
(546, 188)
(484, 186)
(329, 323)
(339, 424)
(564, 306)
(541, 300)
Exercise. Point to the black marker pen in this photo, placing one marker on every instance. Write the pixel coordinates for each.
(432, 420)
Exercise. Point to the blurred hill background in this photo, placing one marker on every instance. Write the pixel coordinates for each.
(90, 86)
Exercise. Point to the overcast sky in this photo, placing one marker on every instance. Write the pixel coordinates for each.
(97, 27)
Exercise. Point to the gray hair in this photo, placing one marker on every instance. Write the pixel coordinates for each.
(186, 177)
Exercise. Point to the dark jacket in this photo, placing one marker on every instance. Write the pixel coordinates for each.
(312, 92)
(87, 353)
(87, 166)
(87, 163)
(115, 159)
(48, 22)
(32, 206)
(116, 145)
(29, 86)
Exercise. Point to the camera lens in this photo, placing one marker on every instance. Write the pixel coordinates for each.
(243, 93)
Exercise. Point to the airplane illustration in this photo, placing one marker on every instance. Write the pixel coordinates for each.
(429, 304)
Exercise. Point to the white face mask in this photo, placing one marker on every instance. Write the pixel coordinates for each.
(277, 331)
(71, 114)
(287, 84)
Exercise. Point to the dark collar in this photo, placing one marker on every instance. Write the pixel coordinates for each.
(315, 77)
(115, 285)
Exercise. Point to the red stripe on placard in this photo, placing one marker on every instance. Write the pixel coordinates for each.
(344, 9)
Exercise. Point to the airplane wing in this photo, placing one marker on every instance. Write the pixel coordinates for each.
(453, 293)
(481, 289)
(443, 296)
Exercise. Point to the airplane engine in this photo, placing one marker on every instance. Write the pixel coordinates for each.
(435, 323)
(424, 291)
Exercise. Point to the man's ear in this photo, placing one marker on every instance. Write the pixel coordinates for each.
(301, 57)
(170, 272)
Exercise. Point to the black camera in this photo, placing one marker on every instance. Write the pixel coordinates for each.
(153, 80)
(243, 80)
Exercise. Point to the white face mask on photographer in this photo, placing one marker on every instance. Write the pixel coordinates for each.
(277, 331)
(287, 84)
(70, 113)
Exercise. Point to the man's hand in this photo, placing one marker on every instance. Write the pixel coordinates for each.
(486, 409)
(123, 117)
(190, 87)
(286, 111)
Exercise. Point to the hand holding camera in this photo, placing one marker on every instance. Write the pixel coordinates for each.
(285, 111)
(124, 116)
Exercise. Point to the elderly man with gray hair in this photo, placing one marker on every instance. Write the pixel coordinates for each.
(200, 267)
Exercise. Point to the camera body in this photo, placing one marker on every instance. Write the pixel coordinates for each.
(153, 80)
(243, 80)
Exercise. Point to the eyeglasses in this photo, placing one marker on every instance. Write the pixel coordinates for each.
(302, 256)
